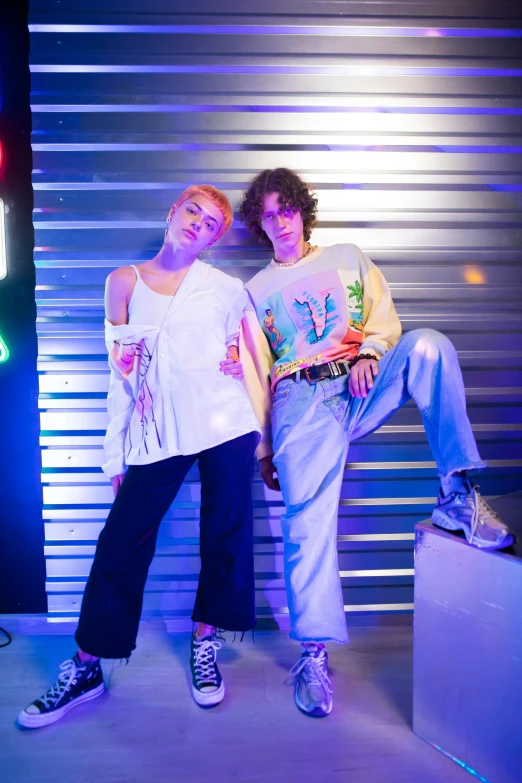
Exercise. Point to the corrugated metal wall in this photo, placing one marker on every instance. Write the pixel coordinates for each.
(407, 118)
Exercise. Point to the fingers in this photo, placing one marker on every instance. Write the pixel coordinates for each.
(363, 389)
(356, 383)
(269, 475)
(116, 484)
(368, 377)
(272, 482)
(232, 367)
(361, 377)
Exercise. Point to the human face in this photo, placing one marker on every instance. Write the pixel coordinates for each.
(194, 225)
(283, 227)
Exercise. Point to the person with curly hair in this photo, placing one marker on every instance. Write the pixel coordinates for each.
(339, 370)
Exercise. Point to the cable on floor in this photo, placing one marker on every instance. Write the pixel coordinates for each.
(8, 636)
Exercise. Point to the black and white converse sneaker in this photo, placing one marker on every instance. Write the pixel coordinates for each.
(208, 687)
(78, 682)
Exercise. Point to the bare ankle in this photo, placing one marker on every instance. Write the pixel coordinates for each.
(85, 657)
(205, 630)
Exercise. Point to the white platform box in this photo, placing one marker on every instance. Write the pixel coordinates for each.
(467, 694)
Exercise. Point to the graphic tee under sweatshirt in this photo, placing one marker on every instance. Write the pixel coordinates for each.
(331, 306)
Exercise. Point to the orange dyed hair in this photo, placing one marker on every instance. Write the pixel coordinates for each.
(215, 196)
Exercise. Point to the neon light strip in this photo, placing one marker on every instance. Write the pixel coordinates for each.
(3, 255)
(387, 146)
(359, 106)
(322, 30)
(4, 351)
(460, 763)
(348, 70)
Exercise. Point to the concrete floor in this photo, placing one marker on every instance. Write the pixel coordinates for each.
(148, 729)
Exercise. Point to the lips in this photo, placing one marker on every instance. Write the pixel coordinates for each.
(284, 236)
(190, 233)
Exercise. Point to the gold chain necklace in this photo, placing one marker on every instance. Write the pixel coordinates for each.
(311, 248)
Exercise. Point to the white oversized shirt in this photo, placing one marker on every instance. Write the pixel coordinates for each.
(167, 395)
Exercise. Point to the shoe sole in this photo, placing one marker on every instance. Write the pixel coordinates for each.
(317, 712)
(441, 520)
(211, 699)
(38, 720)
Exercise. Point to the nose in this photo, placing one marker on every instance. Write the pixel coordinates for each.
(196, 223)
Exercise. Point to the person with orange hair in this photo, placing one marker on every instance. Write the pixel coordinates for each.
(172, 327)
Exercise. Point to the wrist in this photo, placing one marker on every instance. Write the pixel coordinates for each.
(360, 357)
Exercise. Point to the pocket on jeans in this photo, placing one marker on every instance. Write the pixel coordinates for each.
(281, 394)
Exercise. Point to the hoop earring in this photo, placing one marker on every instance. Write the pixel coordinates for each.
(167, 229)
(210, 256)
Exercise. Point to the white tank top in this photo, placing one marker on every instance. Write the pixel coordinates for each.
(145, 305)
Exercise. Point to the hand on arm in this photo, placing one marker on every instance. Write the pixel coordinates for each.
(257, 359)
(231, 365)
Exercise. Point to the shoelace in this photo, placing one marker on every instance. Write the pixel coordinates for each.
(480, 509)
(205, 654)
(316, 672)
(54, 694)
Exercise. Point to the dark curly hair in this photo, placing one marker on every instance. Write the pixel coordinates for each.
(293, 193)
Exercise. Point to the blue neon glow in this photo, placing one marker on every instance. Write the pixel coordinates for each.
(462, 764)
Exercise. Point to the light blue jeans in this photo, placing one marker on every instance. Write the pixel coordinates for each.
(312, 426)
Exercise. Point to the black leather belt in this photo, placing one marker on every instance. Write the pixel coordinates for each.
(319, 371)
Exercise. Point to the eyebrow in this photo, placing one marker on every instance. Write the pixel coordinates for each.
(207, 217)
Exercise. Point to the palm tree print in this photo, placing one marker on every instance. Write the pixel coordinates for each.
(356, 292)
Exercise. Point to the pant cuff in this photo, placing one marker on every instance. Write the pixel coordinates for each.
(321, 639)
(474, 466)
(99, 651)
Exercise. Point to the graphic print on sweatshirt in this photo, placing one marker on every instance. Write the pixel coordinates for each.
(307, 317)
(135, 357)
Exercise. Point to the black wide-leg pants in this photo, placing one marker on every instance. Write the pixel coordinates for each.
(113, 597)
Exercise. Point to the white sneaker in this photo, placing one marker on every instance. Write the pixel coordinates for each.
(466, 510)
(313, 689)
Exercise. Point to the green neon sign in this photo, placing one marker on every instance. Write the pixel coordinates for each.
(4, 351)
